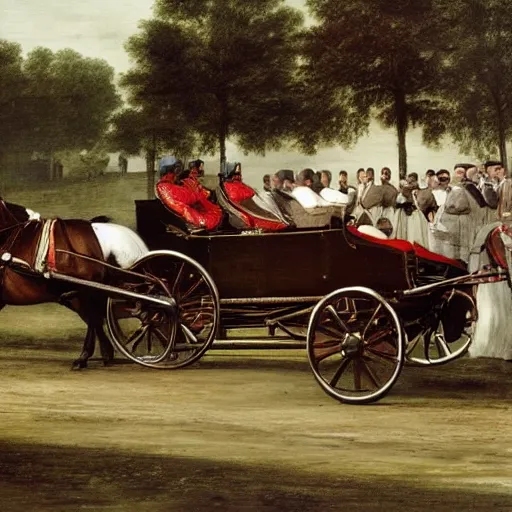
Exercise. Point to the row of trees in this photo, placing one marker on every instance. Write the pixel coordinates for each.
(249, 70)
(53, 102)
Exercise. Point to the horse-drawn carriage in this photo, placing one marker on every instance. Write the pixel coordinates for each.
(362, 307)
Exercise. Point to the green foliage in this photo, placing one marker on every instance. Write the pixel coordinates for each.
(11, 82)
(369, 58)
(477, 79)
(224, 68)
(68, 100)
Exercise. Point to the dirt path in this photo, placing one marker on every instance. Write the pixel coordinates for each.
(249, 432)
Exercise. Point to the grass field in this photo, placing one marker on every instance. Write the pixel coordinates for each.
(111, 195)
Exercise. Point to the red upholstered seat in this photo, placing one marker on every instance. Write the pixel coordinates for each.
(406, 246)
(421, 252)
(401, 245)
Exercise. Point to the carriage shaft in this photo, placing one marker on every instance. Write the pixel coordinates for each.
(474, 278)
(165, 302)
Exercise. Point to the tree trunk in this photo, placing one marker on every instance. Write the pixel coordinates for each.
(502, 137)
(150, 172)
(51, 173)
(223, 129)
(401, 129)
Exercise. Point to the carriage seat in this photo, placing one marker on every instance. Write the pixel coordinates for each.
(320, 217)
(236, 199)
(406, 246)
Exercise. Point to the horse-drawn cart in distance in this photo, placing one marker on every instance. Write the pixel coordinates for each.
(362, 307)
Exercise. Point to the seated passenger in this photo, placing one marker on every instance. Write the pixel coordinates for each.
(266, 200)
(187, 203)
(283, 184)
(328, 193)
(247, 213)
(195, 170)
(304, 193)
(235, 189)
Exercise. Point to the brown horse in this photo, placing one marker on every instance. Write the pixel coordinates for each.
(23, 285)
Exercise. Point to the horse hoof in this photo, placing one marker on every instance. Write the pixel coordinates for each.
(79, 364)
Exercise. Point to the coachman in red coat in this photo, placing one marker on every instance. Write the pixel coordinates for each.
(185, 199)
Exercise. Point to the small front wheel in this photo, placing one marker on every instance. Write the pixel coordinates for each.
(157, 338)
(355, 345)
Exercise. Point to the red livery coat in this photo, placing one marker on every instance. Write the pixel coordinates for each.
(189, 204)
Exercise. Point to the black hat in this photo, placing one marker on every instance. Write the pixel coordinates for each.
(195, 163)
(286, 174)
(491, 163)
(306, 174)
(229, 170)
(464, 166)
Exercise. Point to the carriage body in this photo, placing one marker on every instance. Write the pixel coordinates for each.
(277, 280)
(296, 263)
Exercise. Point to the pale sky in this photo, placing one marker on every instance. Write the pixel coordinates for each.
(99, 28)
(94, 28)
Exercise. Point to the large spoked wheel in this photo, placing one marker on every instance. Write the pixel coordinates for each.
(446, 341)
(355, 345)
(156, 337)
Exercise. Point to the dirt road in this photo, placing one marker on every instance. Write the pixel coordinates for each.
(247, 431)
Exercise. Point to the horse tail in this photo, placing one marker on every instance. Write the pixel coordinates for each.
(101, 218)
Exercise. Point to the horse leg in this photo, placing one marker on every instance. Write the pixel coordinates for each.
(87, 348)
(91, 309)
(106, 348)
(97, 319)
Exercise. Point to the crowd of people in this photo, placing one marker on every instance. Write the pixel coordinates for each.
(441, 210)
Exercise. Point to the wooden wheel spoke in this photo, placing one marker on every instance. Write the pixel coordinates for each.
(329, 331)
(337, 318)
(376, 338)
(327, 343)
(365, 367)
(188, 334)
(441, 345)
(136, 337)
(177, 280)
(192, 288)
(382, 355)
(324, 353)
(357, 374)
(164, 340)
(374, 315)
(339, 372)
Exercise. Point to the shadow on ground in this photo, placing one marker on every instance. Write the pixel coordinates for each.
(40, 478)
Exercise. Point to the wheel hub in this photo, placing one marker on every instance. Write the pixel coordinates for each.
(351, 346)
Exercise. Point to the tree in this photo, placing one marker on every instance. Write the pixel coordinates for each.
(68, 100)
(477, 78)
(376, 58)
(136, 130)
(226, 66)
(11, 82)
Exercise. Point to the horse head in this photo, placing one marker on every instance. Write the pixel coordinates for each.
(12, 215)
